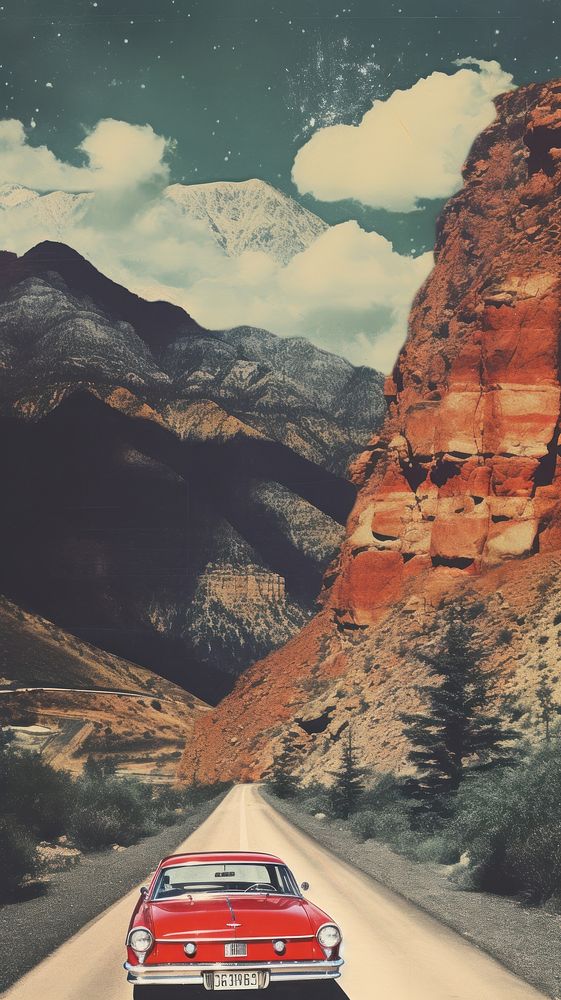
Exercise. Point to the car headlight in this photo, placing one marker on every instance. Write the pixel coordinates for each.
(141, 941)
(329, 936)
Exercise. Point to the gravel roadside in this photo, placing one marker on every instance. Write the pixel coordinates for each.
(31, 929)
(524, 939)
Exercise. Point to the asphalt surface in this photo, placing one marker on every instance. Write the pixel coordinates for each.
(393, 950)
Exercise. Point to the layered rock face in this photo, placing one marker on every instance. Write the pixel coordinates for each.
(146, 459)
(459, 493)
(465, 473)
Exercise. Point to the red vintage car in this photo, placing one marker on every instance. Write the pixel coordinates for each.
(228, 921)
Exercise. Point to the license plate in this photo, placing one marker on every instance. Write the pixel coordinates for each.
(236, 981)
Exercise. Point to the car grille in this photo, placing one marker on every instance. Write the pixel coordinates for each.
(235, 949)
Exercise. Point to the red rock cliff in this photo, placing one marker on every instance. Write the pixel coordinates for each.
(465, 473)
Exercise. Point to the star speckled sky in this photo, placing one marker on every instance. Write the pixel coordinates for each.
(241, 84)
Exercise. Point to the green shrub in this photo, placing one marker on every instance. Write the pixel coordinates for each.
(113, 810)
(385, 789)
(17, 856)
(436, 849)
(169, 803)
(314, 798)
(92, 830)
(110, 811)
(170, 797)
(509, 823)
(37, 796)
(384, 814)
(199, 793)
(364, 825)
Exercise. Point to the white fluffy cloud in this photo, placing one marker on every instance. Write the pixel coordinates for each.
(118, 155)
(349, 292)
(408, 147)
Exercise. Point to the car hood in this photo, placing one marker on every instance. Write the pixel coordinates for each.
(253, 916)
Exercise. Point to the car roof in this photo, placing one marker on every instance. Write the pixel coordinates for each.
(219, 856)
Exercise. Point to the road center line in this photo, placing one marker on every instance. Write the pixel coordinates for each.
(244, 839)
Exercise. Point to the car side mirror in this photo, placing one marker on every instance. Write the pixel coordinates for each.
(144, 891)
(305, 886)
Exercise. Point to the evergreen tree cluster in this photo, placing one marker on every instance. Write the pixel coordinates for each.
(457, 733)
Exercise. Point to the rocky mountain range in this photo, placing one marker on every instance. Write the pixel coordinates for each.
(240, 215)
(460, 490)
(172, 495)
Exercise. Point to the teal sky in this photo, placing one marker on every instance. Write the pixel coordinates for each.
(238, 83)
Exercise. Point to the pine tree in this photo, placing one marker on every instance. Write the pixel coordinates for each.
(549, 707)
(348, 786)
(281, 779)
(457, 733)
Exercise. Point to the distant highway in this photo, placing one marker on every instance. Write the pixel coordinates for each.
(122, 694)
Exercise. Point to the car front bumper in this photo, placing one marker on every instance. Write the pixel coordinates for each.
(199, 974)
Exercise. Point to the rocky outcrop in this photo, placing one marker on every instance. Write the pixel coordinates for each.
(466, 473)
(459, 493)
(236, 615)
(142, 451)
(225, 583)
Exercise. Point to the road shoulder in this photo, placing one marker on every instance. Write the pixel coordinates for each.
(32, 929)
(524, 939)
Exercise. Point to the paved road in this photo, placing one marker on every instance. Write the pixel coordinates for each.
(393, 950)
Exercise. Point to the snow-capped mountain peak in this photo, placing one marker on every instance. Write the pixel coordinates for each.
(249, 215)
(12, 195)
(42, 216)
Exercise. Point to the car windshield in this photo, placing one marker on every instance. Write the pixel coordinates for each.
(224, 876)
